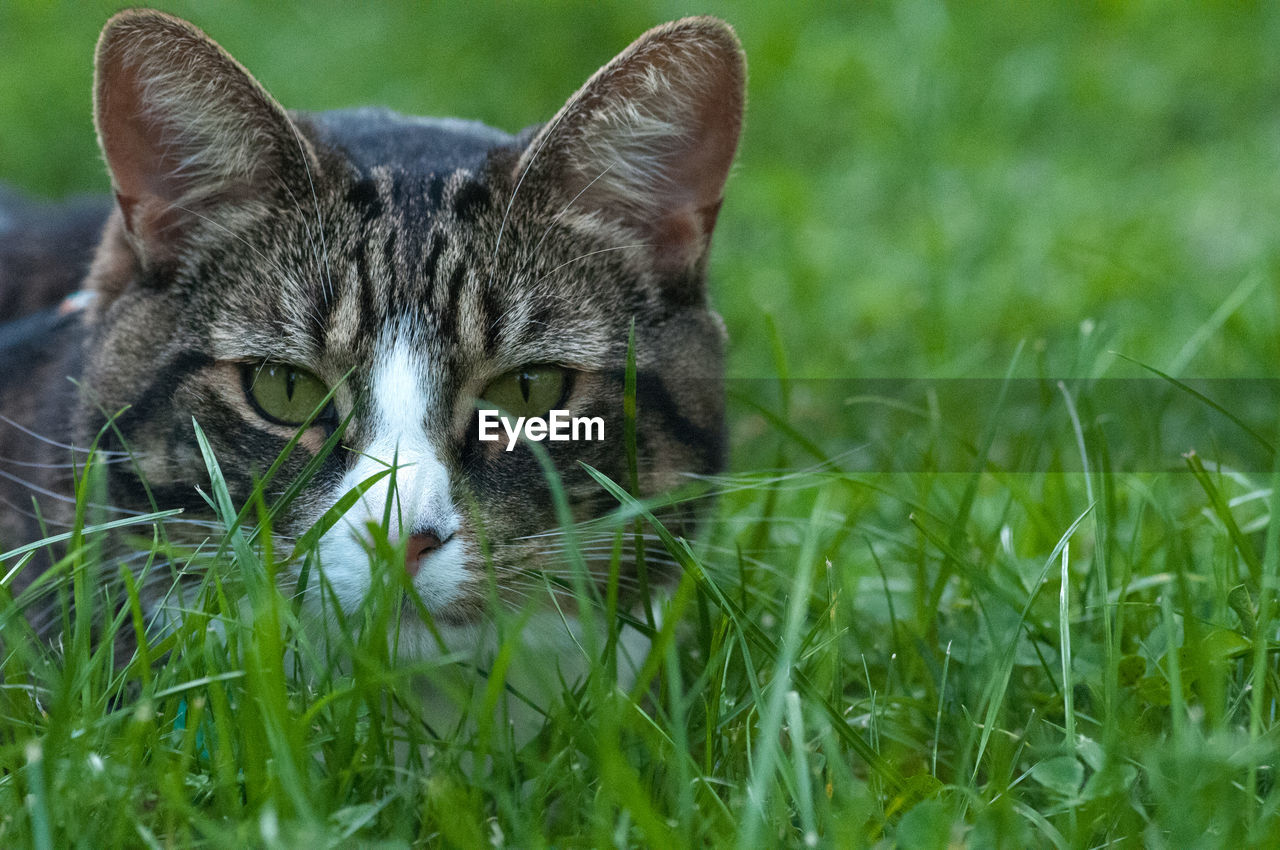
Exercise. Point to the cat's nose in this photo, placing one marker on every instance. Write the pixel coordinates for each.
(420, 546)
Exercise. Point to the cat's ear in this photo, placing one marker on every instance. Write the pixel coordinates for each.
(649, 139)
(187, 133)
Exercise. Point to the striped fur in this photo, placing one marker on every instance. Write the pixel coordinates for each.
(408, 262)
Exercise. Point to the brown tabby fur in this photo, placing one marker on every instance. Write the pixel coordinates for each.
(338, 242)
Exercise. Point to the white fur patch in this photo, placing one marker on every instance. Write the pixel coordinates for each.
(418, 500)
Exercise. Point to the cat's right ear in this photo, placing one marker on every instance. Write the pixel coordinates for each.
(648, 141)
(188, 135)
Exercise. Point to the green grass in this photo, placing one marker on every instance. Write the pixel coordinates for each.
(904, 624)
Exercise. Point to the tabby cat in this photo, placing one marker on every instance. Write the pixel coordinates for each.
(367, 280)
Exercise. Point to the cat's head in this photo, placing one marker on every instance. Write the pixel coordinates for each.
(260, 259)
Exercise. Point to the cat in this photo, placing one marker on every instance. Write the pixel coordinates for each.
(366, 279)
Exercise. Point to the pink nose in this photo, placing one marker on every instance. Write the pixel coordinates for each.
(420, 546)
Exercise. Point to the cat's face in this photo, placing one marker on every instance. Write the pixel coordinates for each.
(417, 270)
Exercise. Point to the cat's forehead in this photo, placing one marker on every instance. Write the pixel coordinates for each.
(421, 228)
(375, 138)
(436, 261)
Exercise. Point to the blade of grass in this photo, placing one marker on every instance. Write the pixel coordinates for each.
(1261, 440)
(751, 633)
(997, 685)
(1064, 643)
(1222, 510)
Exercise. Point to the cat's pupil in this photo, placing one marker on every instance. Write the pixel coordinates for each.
(525, 381)
(290, 379)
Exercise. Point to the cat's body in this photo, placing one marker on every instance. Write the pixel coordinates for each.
(45, 250)
(408, 267)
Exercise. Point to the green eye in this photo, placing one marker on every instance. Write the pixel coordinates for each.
(285, 395)
(529, 391)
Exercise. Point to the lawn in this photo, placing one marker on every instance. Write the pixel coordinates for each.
(993, 563)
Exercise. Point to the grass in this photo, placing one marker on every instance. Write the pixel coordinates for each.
(942, 598)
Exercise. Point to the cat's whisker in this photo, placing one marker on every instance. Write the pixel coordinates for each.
(564, 564)
(50, 522)
(599, 569)
(505, 316)
(610, 524)
(605, 546)
(208, 524)
(271, 265)
(502, 227)
(49, 441)
(328, 278)
(731, 483)
(582, 257)
(578, 529)
(565, 584)
(532, 593)
(537, 248)
(9, 461)
(657, 556)
(585, 541)
(40, 615)
(44, 491)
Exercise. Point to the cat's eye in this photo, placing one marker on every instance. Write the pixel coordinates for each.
(528, 391)
(283, 394)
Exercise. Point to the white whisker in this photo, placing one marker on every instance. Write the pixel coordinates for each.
(35, 488)
(581, 257)
(55, 443)
(546, 137)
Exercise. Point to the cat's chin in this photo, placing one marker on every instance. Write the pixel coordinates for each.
(544, 658)
(538, 654)
(448, 637)
(547, 649)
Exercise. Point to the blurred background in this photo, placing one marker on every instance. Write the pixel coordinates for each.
(921, 185)
(926, 193)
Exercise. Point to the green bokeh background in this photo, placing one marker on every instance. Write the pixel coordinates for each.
(921, 185)
(924, 189)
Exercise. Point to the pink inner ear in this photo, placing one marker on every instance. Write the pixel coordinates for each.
(127, 205)
(143, 164)
(697, 167)
(691, 81)
(700, 162)
(680, 236)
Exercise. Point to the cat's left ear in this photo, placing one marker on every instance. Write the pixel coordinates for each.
(648, 141)
(189, 136)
